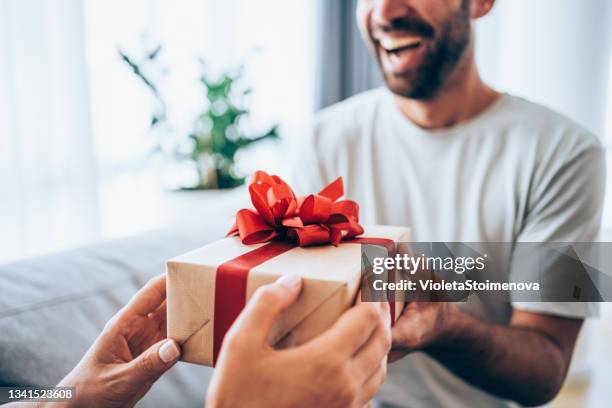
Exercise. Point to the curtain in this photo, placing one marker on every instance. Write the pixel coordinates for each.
(47, 162)
(344, 64)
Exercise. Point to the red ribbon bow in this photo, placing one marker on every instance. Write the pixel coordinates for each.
(313, 220)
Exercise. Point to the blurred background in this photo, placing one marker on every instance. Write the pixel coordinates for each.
(107, 128)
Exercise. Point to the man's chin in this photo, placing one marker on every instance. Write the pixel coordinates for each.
(407, 88)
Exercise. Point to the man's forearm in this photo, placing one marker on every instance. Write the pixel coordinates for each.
(518, 363)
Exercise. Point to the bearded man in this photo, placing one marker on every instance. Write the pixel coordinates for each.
(442, 152)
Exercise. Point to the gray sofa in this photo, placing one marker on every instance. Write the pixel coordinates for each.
(53, 307)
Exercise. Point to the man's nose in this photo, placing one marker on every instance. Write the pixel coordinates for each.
(386, 11)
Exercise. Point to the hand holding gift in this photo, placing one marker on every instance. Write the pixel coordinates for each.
(423, 325)
(130, 354)
(343, 367)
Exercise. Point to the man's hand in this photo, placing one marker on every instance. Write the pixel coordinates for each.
(343, 367)
(421, 325)
(129, 356)
(525, 361)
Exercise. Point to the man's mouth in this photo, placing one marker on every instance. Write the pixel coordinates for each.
(397, 44)
(400, 53)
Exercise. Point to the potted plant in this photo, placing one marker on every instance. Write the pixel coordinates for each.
(217, 134)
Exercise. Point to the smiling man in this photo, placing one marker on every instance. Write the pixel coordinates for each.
(440, 151)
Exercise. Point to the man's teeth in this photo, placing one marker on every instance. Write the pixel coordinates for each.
(392, 43)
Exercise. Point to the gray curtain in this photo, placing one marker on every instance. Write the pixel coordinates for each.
(345, 66)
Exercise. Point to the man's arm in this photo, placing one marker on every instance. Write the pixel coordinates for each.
(526, 361)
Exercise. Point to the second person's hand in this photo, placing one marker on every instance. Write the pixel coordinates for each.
(130, 354)
(343, 367)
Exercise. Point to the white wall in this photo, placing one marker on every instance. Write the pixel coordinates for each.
(556, 52)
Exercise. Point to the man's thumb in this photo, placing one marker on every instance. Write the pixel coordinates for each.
(155, 361)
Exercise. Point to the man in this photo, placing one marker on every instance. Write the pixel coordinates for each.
(343, 367)
(443, 153)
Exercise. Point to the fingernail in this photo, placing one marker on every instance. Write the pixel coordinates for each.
(169, 351)
(290, 281)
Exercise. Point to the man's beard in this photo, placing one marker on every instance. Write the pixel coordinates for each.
(440, 61)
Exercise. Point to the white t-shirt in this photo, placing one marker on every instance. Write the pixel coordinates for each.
(517, 172)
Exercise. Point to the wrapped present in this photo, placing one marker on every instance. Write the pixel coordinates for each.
(317, 237)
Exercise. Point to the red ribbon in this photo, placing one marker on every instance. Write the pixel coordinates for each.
(313, 220)
(231, 287)
(285, 222)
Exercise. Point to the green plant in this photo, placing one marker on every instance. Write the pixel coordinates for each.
(217, 135)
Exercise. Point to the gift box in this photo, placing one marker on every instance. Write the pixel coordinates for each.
(318, 238)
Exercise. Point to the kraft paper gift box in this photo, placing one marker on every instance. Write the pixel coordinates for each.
(208, 287)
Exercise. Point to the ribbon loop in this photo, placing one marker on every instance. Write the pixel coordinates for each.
(315, 209)
(252, 228)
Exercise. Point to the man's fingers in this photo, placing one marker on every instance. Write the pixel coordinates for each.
(351, 331)
(263, 309)
(149, 298)
(153, 362)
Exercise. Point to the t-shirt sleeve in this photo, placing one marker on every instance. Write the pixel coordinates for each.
(565, 207)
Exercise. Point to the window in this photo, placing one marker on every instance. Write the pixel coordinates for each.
(74, 121)
(274, 39)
